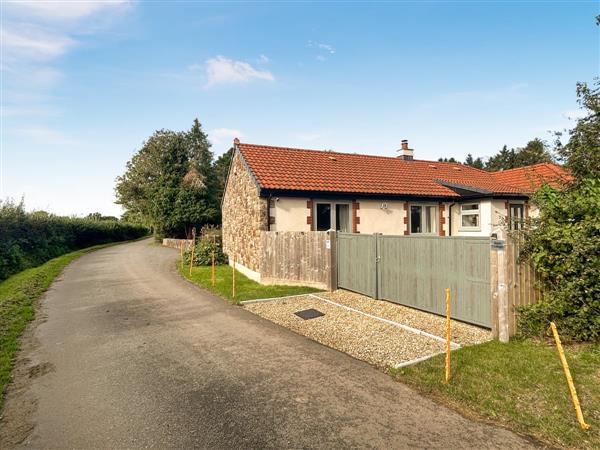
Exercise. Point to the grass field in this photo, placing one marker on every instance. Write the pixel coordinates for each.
(17, 301)
(246, 289)
(520, 385)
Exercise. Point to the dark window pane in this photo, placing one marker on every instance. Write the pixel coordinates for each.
(323, 216)
(415, 219)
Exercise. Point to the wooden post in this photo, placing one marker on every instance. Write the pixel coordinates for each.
(572, 389)
(500, 305)
(212, 275)
(233, 276)
(181, 244)
(448, 334)
(193, 249)
(332, 260)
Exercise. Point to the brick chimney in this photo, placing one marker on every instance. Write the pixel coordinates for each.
(405, 153)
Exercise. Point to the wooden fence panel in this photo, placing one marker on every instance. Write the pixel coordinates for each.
(522, 281)
(297, 258)
(415, 271)
(356, 260)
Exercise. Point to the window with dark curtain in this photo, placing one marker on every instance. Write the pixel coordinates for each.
(415, 219)
(323, 216)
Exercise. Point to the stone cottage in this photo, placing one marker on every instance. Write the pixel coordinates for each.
(287, 189)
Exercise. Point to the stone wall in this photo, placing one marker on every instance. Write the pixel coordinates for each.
(244, 217)
(177, 243)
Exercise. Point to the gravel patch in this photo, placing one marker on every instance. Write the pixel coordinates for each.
(462, 333)
(362, 337)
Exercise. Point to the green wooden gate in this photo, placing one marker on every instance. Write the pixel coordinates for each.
(415, 271)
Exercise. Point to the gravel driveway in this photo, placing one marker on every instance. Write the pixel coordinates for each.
(366, 338)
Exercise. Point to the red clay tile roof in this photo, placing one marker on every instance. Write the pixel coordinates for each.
(528, 179)
(282, 168)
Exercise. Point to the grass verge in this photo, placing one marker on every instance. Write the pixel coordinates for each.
(246, 289)
(521, 385)
(18, 294)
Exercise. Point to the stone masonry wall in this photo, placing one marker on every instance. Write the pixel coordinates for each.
(244, 217)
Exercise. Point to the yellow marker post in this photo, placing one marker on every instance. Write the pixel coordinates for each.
(233, 277)
(565, 365)
(212, 275)
(448, 334)
(181, 251)
(193, 249)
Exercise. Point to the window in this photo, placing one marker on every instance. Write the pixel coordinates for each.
(342, 217)
(333, 216)
(515, 216)
(323, 216)
(469, 216)
(423, 219)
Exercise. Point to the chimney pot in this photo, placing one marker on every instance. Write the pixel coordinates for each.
(405, 153)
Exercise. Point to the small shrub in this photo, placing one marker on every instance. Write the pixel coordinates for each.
(204, 251)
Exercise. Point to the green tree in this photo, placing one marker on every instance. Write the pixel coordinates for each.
(536, 151)
(221, 171)
(170, 182)
(564, 242)
(474, 162)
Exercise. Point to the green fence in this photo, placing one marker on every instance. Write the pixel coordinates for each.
(415, 271)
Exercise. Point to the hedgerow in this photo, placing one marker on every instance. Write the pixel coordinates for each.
(30, 239)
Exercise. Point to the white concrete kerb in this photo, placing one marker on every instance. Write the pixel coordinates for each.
(391, 322)
(259, 300)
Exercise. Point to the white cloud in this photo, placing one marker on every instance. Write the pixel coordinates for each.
(221, 70)
(46, 136)
(321, 58)
(60, 11)
(33, 44)
(328, 48)
(263, 59)
(220, 136)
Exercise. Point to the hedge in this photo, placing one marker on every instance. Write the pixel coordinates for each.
(30, 239)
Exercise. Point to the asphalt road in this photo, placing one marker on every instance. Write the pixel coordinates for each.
(126, 354)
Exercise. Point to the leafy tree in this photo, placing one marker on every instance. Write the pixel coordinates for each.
(534, 152)
(170, 182)
(221, 171)
(564, 242)
(477, 163)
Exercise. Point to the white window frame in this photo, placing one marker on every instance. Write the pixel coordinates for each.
(435, 218)
(332, 209)
(511, 219)
(469, 212)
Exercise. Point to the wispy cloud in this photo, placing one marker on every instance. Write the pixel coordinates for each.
(220, 136)
(263, 59)
(61, 11)
(45, 136)
(221, 70)
(35, 35)
(32, 43)
(325, 50)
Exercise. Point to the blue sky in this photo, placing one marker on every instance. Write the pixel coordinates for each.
(83, 84)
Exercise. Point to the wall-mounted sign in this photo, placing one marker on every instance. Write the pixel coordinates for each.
(498, 244)
(327, 244)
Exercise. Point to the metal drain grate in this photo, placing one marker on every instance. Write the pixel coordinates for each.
(309, 314)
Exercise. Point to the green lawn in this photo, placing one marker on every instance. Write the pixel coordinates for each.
(520, 385)
(17, 297)
(246, 289)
